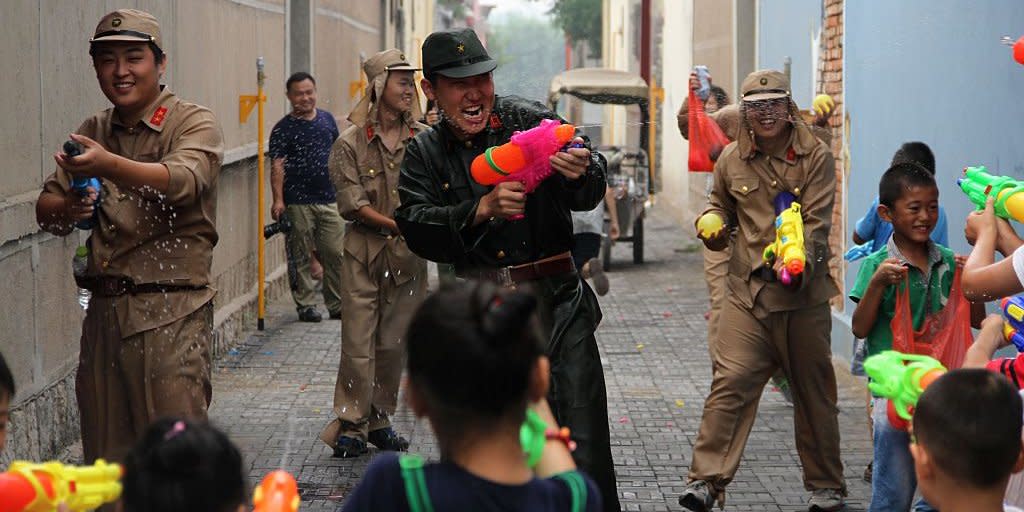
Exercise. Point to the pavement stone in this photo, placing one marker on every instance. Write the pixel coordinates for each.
(273, 395)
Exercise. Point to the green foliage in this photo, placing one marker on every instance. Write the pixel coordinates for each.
(581, 21)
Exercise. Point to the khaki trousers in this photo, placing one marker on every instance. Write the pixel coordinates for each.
(320, 227)
(716, 267)
(376, 311)
(124, 384)
(748, 350)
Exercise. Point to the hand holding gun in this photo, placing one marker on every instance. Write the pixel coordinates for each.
(789, 239)
(80, 184)
(901, 378)
(30, 487)
(978, 184)
(525, 158)
(278, 492)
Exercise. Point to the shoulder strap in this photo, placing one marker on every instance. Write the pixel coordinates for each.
(577, 489)
(415, 483)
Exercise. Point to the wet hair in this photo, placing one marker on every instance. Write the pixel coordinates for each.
(969, 421)
(898, 178)
(471, 348)
(6, 380)
(915, 152)
(183, 465)
(720, 95)
(158, 54)
(298, 77)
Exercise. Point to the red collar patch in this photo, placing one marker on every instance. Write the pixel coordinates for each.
(791, 154)
(158, 116)
(369, 132)
(495, 121)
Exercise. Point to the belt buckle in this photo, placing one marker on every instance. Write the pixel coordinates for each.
(505, 277)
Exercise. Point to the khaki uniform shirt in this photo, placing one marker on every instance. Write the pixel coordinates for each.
(365, 173)
(746, 182)
(151, 237)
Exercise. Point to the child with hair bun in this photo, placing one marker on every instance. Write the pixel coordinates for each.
(475, 365)
(183, 466)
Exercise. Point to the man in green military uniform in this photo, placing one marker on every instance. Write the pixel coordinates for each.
(446, 217)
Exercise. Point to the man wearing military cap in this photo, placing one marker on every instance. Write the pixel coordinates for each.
(146, 335)
(765, 324)
(383, 281)
(447, 217)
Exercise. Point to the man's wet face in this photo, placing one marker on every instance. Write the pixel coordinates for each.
(768, 118)
(128, 74)
(465, 102)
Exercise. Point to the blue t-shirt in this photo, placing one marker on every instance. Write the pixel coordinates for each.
(306, 146)
(872, 227)
(452, 488)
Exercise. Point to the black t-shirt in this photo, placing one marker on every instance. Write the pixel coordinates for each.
(306, 147)
(452, 488)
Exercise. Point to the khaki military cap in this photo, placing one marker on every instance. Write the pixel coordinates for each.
(765, 84)
(128, 25)
(387, 60)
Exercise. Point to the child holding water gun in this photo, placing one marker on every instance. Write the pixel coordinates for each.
(909, 200)
(183, 466)
(475, 364)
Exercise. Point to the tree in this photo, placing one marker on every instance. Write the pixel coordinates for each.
(581, 21)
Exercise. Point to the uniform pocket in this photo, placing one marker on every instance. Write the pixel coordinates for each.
(370, 179)
(744, 186)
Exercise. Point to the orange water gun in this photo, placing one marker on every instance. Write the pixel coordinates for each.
(32, 487)
(525, 157)
(278, 492)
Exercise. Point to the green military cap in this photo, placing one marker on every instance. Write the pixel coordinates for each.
(765, 84)
(128, 25)
(456, 53)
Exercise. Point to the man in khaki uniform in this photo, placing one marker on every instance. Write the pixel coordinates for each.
(765, 324)
(145, 339)
(383, 281)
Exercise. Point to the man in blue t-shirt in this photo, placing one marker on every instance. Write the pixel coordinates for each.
(300, 145)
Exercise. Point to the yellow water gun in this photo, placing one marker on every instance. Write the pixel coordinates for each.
(788, 244)
(35, 487)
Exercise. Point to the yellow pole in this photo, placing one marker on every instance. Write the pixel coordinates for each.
(261, 99)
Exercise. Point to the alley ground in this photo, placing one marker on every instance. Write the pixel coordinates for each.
(273, 395)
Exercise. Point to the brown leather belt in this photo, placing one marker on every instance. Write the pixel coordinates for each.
(114, 286)
(510, 276)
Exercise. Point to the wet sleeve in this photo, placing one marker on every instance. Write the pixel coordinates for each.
(860, 286)
(816, 202)
(940, 234)
(728, 119)
(59, 182)
(822, 134)
(683, 118)
(194, 159)
(345, 177)
(586, 192)
(432, 229)
(278, 147)
(866, 225)
(720, 201)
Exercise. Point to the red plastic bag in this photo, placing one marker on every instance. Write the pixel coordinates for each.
(944, 335)
(706, 138)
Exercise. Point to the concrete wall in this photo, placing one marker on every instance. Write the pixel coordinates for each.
(676, 59)
(907, 79)
(790, 29)
(212, 47)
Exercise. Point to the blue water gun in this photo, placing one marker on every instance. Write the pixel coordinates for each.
(80, 184)
(704, 76)
(1013, 320)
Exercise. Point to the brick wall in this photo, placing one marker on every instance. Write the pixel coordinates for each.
(831, 82)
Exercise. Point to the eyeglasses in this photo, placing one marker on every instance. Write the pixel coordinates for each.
(765, 105)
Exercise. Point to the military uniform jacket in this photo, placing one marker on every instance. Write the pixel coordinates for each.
(365, 173)
(746, 181)
(151, 237)
(439, 197)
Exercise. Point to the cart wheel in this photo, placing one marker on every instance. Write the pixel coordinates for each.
(638, 240)
(606, 254)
